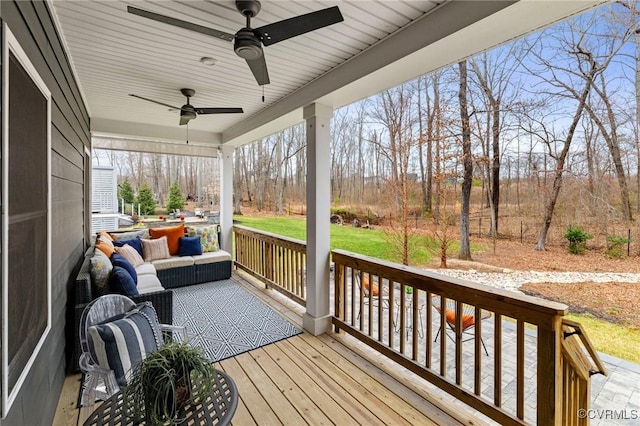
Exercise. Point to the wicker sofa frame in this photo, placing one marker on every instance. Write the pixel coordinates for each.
(162, 300)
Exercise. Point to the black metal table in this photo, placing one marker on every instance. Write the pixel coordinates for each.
(218, 409)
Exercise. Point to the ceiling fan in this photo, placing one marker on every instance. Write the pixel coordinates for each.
(248, 41)
(188, 111)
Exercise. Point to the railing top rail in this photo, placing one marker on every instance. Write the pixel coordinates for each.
(248, 230)
(575, 330)
(466, 291)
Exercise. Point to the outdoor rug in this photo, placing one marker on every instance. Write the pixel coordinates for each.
(225, 320)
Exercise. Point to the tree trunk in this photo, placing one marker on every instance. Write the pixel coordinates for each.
(557, 181)
(637, 124)
(421, 140)
(495, 164)
(237, 183)
(465, 248)
(279, 180)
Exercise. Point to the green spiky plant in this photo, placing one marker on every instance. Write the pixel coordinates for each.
(166, 380)
(577, 239)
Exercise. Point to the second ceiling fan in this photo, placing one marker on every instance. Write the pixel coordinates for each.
(188, 111)
(248, 41)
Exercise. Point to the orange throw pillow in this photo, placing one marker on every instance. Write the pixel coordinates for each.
(467, 320)
(106, 235)
(105, 246)
(365, 283)
(173, 234)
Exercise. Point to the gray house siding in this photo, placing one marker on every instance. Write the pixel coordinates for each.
(32, 24)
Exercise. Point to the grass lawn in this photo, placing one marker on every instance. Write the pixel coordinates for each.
(370, 242)
(613, 339)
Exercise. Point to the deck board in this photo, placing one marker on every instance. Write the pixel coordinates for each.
(294, 394)
(358, 370)
(311, 380)
(325, 402)
(349, 385)
(263, 383)
(259, 408)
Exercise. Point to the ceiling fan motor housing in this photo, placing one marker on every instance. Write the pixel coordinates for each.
(188, 113)
(247, 45)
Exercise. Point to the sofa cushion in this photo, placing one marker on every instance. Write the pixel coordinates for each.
(173, 234)
(145, 268)
(155, 249)
(121, 282)
(217, 256)
(103, 244)
(208, 236)
(100, 267)
(148, 284)
(173, 262)
(130, 254)
(133, 242)
(121, 344)
(143, 233)
(121, 261)
(190, 246)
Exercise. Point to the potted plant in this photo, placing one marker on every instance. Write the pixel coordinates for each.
(168, 379)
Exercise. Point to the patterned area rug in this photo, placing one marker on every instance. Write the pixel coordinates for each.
(225, 320)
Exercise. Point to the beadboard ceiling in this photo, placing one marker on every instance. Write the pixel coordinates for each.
(381, 43)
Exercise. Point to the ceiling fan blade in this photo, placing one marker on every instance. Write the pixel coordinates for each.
(180, 23)
(259, 69)
(288, 28)
(155, 102)
(219, 110)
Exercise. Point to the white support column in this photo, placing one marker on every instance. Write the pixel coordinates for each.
(226, 197)
(317, 319)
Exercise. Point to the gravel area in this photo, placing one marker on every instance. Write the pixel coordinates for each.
(513, 280)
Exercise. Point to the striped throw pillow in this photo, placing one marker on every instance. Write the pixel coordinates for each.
(121, 344)
(155, 249)
(131, 254)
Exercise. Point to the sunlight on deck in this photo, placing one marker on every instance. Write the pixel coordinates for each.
(328, 379)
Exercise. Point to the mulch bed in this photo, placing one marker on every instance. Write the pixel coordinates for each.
(614, 302)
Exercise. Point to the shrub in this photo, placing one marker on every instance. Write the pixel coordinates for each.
(174, 200)
(577, 239)
(126, 192)
(615, 246)
(146, 201)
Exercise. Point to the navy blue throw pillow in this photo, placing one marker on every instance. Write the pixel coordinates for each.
(189, 246)
(120, 260)
(121, 282)
(136, 243)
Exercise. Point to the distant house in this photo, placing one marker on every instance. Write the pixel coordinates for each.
(104, 199)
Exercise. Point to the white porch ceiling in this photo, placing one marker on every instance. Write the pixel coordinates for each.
(380, 44)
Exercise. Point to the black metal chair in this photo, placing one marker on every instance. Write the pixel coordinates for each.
(468, 320)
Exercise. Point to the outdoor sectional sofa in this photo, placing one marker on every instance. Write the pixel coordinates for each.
(155, 281)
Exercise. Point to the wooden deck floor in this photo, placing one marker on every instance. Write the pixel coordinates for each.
(328, 379)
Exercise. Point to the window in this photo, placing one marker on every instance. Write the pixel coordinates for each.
(26, 216)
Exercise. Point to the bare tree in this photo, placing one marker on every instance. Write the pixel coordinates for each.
(237, 182)
(494, 75)
(465, 247)
(397, 117)
(589, 68)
